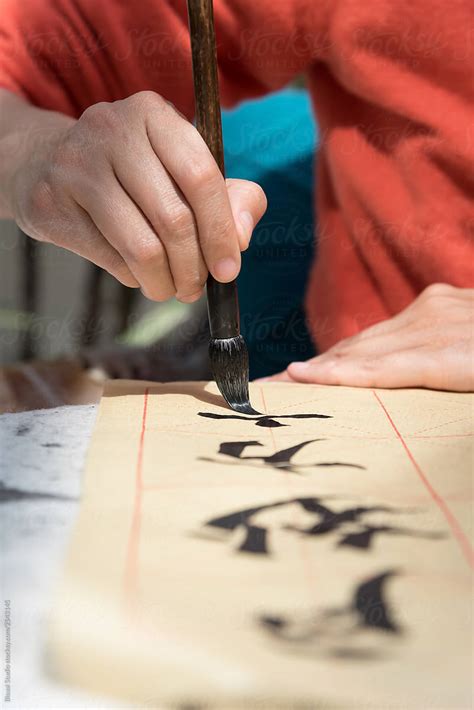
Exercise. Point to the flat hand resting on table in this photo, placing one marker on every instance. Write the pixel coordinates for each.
(429, 344)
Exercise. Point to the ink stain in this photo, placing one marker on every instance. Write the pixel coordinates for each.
(265, 420)
(15, 494)
(23, 430)
(51, 445)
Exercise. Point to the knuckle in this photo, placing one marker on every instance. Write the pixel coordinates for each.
(177, 219)
(148, 100)
(202, 173)
(218, 237)
(147, 253)
(102, 117)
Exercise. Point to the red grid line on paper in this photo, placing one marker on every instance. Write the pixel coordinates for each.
(437, 426)
(332, 435)
(131, 565)
(452, 521)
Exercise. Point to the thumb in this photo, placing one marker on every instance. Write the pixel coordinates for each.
(248, 204)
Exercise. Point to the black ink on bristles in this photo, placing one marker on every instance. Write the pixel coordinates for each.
(230, 368)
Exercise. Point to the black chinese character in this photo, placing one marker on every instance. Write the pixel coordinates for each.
(281, 460)
(265, 420)
(339, 630)
(328, 521)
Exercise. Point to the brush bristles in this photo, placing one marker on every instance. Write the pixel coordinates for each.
(230, 367)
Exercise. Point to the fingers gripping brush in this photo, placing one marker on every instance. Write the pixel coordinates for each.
(227, 350)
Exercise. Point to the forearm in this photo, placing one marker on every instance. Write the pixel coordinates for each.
(23, 129)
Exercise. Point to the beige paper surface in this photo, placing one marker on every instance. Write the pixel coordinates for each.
(210, 565)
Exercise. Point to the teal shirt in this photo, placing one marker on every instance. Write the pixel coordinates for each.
(272, 141)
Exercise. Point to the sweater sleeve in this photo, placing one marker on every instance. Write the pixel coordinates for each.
(68, 54)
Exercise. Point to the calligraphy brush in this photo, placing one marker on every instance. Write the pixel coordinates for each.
(227, 349)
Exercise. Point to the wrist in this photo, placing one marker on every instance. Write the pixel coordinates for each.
(26, 135)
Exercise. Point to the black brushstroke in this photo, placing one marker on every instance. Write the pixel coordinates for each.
(369, 604)
(363, 539)
(236, 448)
(340, 463)
(332, 521)
(275, 622)
(328, 522)
(367, 610)
(235, 520)
(255, 541)
(281, 460)
(51, 445)
(265, 420)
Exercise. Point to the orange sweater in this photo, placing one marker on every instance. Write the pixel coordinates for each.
(392, 87)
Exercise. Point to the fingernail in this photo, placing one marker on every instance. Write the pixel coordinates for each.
(226, 270)
(246, 220)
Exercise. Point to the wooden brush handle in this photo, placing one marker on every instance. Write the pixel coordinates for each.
(206, 83)
(222, 299)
